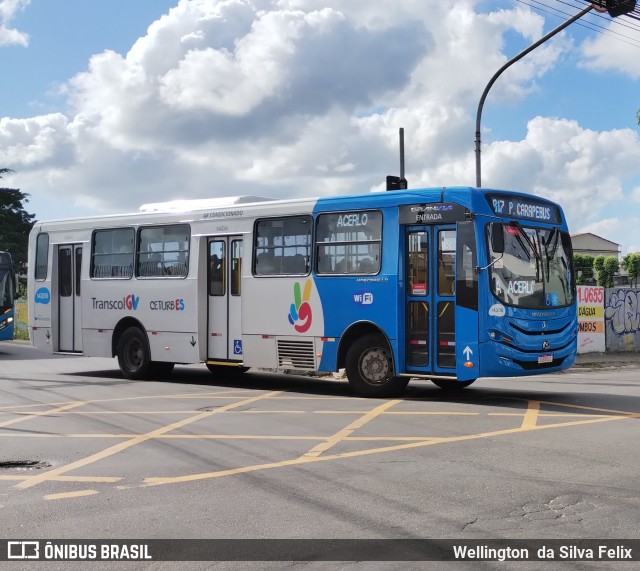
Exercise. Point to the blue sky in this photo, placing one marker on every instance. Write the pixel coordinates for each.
(116, 103)
(63, 35)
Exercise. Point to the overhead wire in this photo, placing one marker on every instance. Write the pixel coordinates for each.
(592, 23)
(587, 22)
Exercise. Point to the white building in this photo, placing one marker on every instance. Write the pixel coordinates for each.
(591, 245)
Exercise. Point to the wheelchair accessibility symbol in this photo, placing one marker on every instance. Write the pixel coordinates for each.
(237, 347)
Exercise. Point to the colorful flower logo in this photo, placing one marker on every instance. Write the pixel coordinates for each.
(300, 310)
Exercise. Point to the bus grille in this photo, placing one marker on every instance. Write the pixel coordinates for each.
(296, 354)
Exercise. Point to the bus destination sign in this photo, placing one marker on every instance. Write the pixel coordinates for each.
(436, 213)
(517, 207)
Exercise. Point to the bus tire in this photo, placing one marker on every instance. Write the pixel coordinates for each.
(134, 355)
(452, 385)
(369, 367)
(160, 369)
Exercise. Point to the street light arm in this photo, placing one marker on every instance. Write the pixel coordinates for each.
(507, 65)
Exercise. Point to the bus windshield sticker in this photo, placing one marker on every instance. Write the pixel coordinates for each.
(552, 299)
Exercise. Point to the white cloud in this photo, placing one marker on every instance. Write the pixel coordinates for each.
(624, 231)
(610, 52)
(305, 97)
(37, 142)
(10, 36)
(581, 169)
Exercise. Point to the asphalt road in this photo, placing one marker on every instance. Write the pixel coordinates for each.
(86, 454)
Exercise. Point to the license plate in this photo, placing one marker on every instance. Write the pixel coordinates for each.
(545, 358)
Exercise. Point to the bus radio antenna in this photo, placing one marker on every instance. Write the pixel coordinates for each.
(398, 182)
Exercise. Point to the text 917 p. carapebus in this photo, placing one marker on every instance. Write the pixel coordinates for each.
(445, 284)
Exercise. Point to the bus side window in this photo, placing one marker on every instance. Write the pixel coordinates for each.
(216, 267)
(42, 257)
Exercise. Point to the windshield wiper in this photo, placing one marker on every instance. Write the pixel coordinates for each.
(523, 238)
(523, 235)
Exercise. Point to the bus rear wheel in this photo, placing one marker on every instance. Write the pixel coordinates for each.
(134, 356)
(452, 385)
(369, 367)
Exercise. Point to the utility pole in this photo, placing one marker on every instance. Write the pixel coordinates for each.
(614, 7)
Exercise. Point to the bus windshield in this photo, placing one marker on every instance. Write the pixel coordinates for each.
(7, 292)
(535, 271)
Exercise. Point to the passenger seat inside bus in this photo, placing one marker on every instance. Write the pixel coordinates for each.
(264, 263)
(366, 266)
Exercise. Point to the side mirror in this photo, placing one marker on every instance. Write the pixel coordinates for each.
(497, 238)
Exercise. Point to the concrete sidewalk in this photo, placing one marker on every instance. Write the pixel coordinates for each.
(617, 359)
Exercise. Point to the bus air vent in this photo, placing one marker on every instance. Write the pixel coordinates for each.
(295, 354)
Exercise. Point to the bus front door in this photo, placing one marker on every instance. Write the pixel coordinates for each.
(430, 253)
(225, 288)
(69, 314)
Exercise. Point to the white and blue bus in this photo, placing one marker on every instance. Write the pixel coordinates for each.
(7, 297)
(445, 284)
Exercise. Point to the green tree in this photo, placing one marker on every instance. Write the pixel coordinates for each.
(631, 263)
(612, 266)
(606, 268)
(584, 269)
(15, 224)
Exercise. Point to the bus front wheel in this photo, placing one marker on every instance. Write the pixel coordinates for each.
(452, 385)
(369, 367)
(134, 356)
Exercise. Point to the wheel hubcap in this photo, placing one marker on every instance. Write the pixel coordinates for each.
(135, 355)
(375, 366)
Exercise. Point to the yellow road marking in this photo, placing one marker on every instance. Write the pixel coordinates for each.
(549, 414)
(439, 413)
(65, 495)
(42, 413)
(34, 480)
(85, 479)
(215, 437)
(208, 394)
(182, 412)
(158, 481)
(270, 411)
(531, 416)
(347, 430)
(580, 407)
(529, 423)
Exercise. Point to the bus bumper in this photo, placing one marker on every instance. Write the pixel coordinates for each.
(498, 360)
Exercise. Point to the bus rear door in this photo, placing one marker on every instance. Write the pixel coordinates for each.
(224, 299)
(69, 314)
